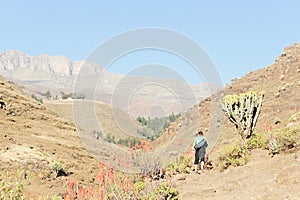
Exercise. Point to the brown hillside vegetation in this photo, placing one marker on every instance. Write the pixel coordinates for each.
(43, 148)
(35, 142)
(281, 83)
(263, 177)
(114, 122)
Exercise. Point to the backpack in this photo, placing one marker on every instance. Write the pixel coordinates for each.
(200, 143)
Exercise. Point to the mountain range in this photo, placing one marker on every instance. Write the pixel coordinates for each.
(38, 140)
(136, 95)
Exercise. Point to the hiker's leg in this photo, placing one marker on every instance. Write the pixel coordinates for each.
(202, 158)
(201, 165)
(196, 162)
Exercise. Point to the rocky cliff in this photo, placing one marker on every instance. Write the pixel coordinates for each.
(41, 73)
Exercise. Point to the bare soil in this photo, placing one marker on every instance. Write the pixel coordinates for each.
(34, 138)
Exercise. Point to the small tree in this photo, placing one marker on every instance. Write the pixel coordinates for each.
(243, 110)
(47, 95)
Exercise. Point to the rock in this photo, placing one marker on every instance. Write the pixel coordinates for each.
(2, 105)
(181, 177)
(283, 54)
(281, 88)
(209, 191)
(277, 120)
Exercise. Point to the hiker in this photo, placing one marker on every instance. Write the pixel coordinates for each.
(200, 144)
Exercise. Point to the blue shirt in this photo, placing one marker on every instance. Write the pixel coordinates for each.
(198, 139)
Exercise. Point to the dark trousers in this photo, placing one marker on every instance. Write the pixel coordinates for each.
(199, 154)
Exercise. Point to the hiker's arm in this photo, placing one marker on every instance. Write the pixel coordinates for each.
(193, 146)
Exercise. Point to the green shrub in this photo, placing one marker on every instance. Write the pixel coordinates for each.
(47, 95)
(36, 98)
(72, 95)
(257, 141)
(278, 140)
(128, 142)
(166, 191)
(139, 186)
(56, 198)
(232, 155)
(284, 139)
(58, 169)
(11, 190)
(295, 117)
(181, 165)
(153, 128)
(274, 147)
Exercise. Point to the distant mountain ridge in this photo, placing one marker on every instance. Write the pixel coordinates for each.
(58, 73)
(13, 60)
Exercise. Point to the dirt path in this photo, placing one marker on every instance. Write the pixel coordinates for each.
(275, 178)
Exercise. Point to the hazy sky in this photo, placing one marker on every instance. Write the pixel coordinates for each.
(238, 36)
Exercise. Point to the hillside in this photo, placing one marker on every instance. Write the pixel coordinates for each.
(40, 73)
(281, 83)
(106, 118)
(34, 140)
(264, 177)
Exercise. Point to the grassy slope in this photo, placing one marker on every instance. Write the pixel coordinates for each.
(114, 122)
(33, 139)
(263, 177)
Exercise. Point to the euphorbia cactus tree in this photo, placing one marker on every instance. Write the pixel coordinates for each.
(243, 110)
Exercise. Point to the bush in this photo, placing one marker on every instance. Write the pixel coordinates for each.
(166, 191)
(58, 170)
(128, 142)
(11, 190)
(274, 147)
(110, 139)
(139, 186)
(257, 141)
(110, 184)
(233, 155)
(295, 117)
(284, 139)
(280, 139)
(47, 95)
(182, 165)
(114, 185)
(153, 128)
(72, 95)
(36, 98)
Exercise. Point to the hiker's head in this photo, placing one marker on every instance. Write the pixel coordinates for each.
(199, 133)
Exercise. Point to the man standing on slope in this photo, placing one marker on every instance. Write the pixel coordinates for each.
(200, 144)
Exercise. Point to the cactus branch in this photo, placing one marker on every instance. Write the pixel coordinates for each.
(243, 111)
